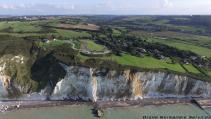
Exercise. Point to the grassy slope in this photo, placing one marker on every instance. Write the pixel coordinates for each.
(191, 69)
(11, 47)
(198, 40)
(199, 50)
(93, 46)
(146, 62)
(72, 34)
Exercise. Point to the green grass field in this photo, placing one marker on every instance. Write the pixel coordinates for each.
(34, 28)
(72, 34)
(146, 62)
(198, 40)
(209, 73)
(92, 46)
(183, 46)
(29, 34)
(116, 32)
(186, 28)
(17, 26)
(191, 69)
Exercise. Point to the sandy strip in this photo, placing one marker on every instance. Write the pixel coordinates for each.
(14, 105)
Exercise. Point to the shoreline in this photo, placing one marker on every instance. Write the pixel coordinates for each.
(7, 106)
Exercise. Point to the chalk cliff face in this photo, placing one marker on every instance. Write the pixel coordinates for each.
(170, 85)
(82, 83)
(91, 84)
(87, 83)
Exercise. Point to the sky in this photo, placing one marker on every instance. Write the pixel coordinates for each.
(105, 7)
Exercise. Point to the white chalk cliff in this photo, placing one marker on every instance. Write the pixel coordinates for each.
(91, 84)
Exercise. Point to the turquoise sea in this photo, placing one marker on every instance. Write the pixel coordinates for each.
(175, 111)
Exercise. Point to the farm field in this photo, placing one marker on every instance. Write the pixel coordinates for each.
(19, 27)
(80, 26)
(91, 46)
(184, 46)
(146, 62)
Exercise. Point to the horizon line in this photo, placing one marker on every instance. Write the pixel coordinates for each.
(106, 15)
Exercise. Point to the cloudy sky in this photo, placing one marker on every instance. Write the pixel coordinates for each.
(123, 7)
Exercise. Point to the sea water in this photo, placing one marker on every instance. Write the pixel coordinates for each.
(85, 112)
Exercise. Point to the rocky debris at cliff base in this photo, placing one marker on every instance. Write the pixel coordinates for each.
(97, 112)
(100, 105)
(3, 108)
